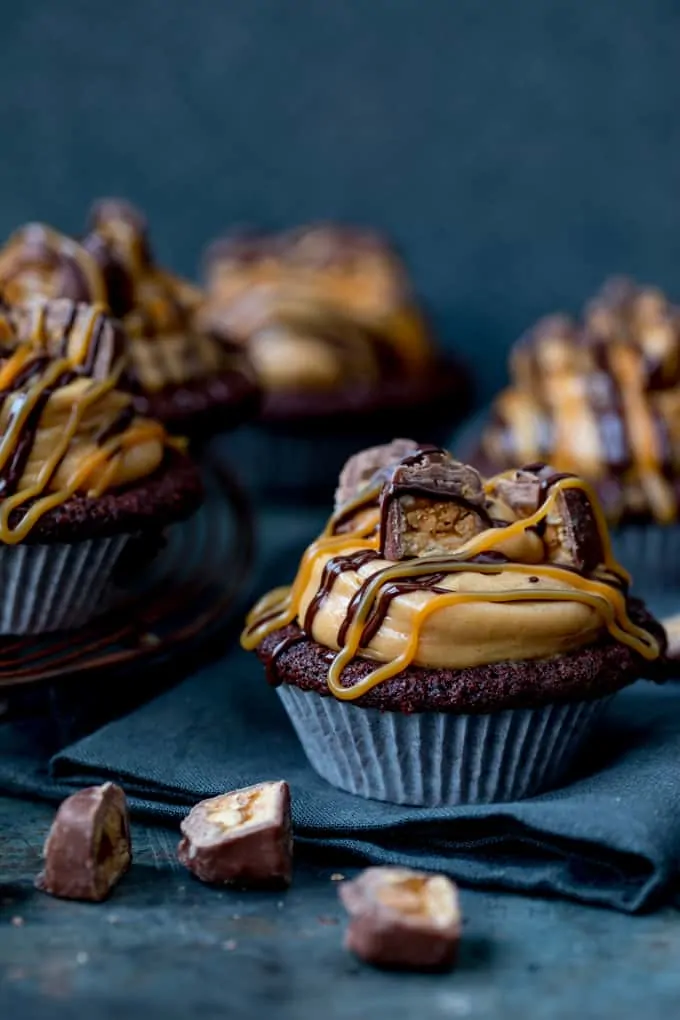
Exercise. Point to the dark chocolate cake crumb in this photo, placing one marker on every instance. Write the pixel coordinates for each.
(588, 673)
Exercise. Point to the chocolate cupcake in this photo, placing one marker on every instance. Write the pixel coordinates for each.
(602, 397)
(339, 344)
(81, 473)
(180, 375)
(449, 639)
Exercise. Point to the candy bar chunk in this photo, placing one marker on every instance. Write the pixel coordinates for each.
(241, 838)
(402, 918)
(88, 848)
(366, 465)
(570, 532)
(431, 505)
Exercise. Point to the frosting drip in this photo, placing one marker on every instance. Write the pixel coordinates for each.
(318, 308)
(64, 426)
(601, 398)
(475, 605)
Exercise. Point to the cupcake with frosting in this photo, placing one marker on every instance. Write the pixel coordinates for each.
(450, 639)
(601, 397)
(180, 375)
(81, 472)
(339, 343)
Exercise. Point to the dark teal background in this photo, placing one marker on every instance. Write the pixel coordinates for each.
(518, 151)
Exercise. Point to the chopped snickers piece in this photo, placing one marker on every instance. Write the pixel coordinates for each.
(366, 465)
(88, 847)
(431, 505)
(570, 533)
(402, 918)
(241, 838)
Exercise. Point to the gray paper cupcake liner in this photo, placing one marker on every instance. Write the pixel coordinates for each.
(56, 586)
(434, 759)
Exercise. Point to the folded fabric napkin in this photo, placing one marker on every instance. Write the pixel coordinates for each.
(611, 837)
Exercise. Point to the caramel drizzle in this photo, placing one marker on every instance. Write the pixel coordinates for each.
(370, 604)
(43, 376)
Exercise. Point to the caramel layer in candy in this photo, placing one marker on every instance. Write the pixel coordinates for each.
(431, 506)
(402, 918)
(571, 535)
(88, 847)
(241, 838)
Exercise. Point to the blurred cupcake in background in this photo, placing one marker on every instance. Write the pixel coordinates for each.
(190, 381)
(82, 474)
(601, 397)
(339, 344)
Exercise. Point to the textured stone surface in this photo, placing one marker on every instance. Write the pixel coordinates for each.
(165, 945)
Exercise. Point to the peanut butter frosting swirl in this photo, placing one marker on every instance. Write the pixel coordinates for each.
(319, 308)
(65, 427)
(427, 564)
(601, 398)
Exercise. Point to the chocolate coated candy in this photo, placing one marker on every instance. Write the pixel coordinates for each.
(242, 838)
(88, 847)
(432, 505)
(402, 918)
(571, 535)
(363, 466)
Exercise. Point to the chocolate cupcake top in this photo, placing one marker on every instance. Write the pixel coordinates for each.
(427, 564)
(65, 427)
(600, 397)
(321, 307)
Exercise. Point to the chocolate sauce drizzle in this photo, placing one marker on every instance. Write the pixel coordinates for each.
(331, 572)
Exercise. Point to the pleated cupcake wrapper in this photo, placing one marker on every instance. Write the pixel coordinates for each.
(438, 758)
(651, 553)
(56, 587)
